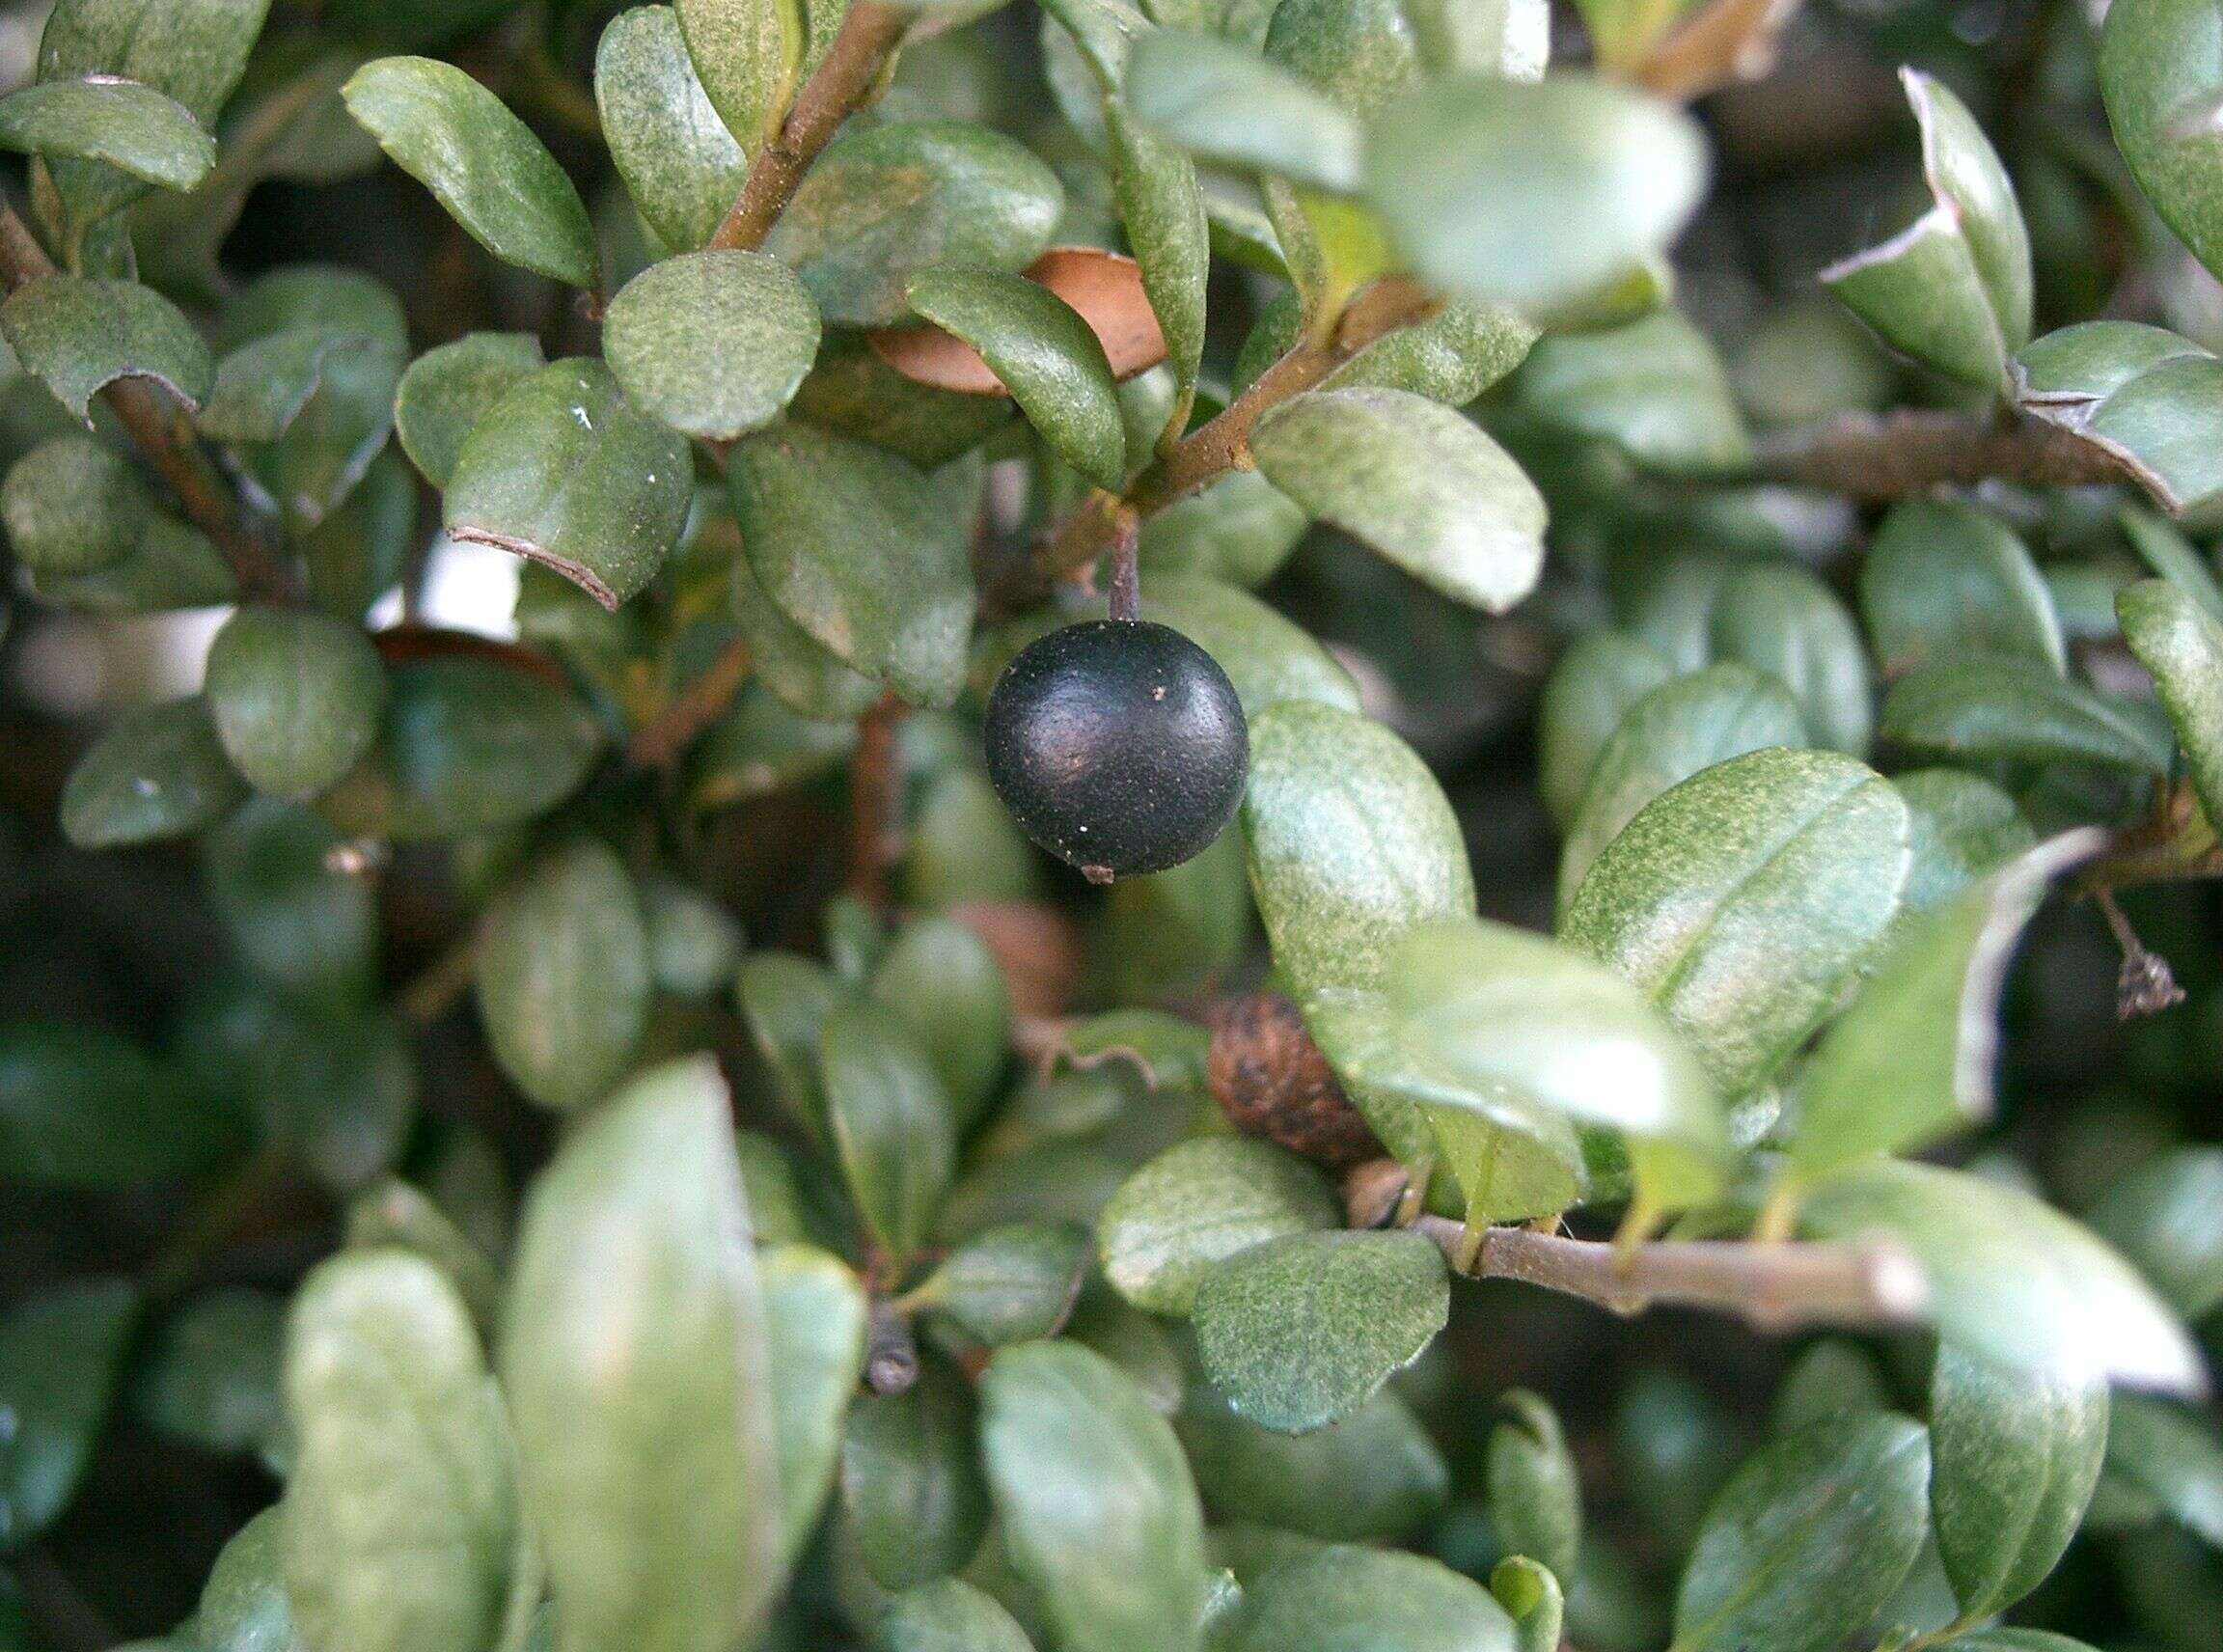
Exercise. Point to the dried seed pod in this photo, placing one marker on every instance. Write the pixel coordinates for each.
(1272, 1081)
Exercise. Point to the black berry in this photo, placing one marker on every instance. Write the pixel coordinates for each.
(1117, 745)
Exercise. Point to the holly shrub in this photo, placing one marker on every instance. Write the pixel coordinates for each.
(1110, 825)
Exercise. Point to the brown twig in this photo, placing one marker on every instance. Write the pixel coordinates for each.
(876, 787)
(659, 742)
(1221, 444)
(1901, 454)
(1771, 1286)
(158, 423)
(841, 83)
(1126, 600)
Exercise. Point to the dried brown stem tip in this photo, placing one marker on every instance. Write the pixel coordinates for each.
(1272, 1081)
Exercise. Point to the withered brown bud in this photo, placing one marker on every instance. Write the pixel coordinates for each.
(1272, 1081)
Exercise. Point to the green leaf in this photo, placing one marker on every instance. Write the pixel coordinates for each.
(2160, 85)
(562, 471)
(1809, 1539)
(814, 1328)
(1535, 1490)
(912, 1482)
(134, 128)
(884, 202)
(2167, 1217)
(1375, 1474)
(484, 164)
(892, 1122)
(1787, 623)
(295, 699)
(788, 661)
(157, 772)
(1011, 1283)
(947, 1616)
(172, 566)
(61, 1354)
(1590, 692)
(1196, 1204)
(2009, 1276)
(1301, 1330)
(1162, 206)
(637, 1374)
(853, 393)
(446, 391)
(561, 970)
(682, 168)
(1500, 1008)
(1654, 388)
(340, 1093)
(1122, 1567)
(785, 1000)
(1417, 481)
(1352, 1597)
(1943, 580)
(713, 343)
(862, 552)
(1226, 104)
(1743, 901)
(295, 920)
(750, 55)
(1952, 289)
(83, 1107)
(1532, 1596)
(2018, 1452)
(2139, 394)
(1350, 841)
(2172, 1454)
(211, 1375)
(400, 1511)
(73, 506)
(78, 337)
(1687, 725)
(1530, 194)
(1360, 55)
(2181, 644)
(1913, 1058)
(2019, 709)
(393, 1215)
(1267, 657)
(945, 982)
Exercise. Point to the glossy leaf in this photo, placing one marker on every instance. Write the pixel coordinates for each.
(77, 337)
(815, 1327)
(2181, 644)
(893, 1123)
(2019, 709)
(1418, 482)
(1011, 1283)
(2161, 83)
(60, 1354)
(682, 168)
(484, 164)
(295, 699)
(135, 128)
(712, 344)
(564, 471)
(446, 391)
(1349, 1596)
(157, 772)
(912, 1481)
(1943, 580)
(1163, 208)
(1175, 1220)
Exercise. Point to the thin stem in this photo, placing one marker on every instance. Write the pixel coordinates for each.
(1901, 455)
(1774, 1286)
(1126, 568)
(659, 742)
(841, 83)
(158, 423)
(875, 782)
(2145, 986)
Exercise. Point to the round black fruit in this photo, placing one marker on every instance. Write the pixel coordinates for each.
(1117, 745)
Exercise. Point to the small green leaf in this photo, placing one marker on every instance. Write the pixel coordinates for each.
(942, 979)
(1743, 901)
(1122, 1567)
(863, 552)
(1809, 1539)
(1302, 1330)
(1530, 194)
(211, 1375)
(815, 1327)
(682, 168)
(1199, 1204)
(785, 1000)
(73, 506)
(401, 1507)
(562, 471)
(1943, 580)
(911, 1479)
(296, 920)
(1011, 1283)
(2018, 1452)
(947, 1616)
(563, 973)
(750, 55)
(1044, 352)
(61, 1355)
(853, 393)
(1787, 623)
(2160, 87)
(2021, 709)
(1352, 1597)
(887, 202)
(713, 343)
(446, 391)
(638, 1373)
(1590, 692)
(1535, 1490)
(157, 772)
(893, 1123)
(1226, 104)
(1162, 206)
(84, 1108)
(2181, 644)
(2173, 1455)
(1533, 1599)
(2167, 1217)
(340, 1092)
(1687, 725)
(1654, 388)
(1913, 1058)
(790, 662)
(1417, 481)
(2139, 394)
(484, 164)
(295, 699)
(1375, 1474)
(392, 1215)
(2009, 1276)
(132, 128)
(1952, 289)
(1351, 843)
(78, 337)
(1267, 657)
